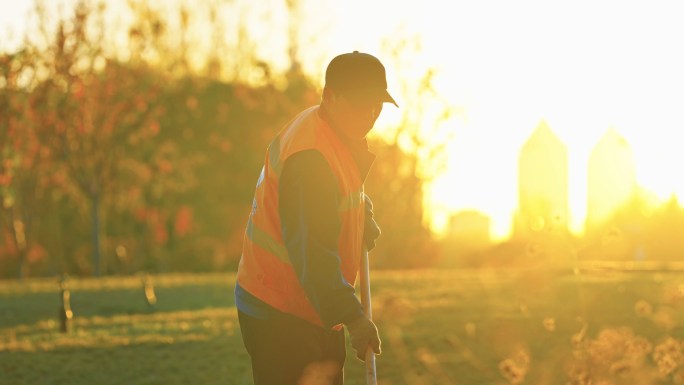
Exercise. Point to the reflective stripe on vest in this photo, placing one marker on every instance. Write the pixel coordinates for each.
(266, 242)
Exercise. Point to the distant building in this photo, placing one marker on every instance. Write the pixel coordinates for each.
(467, 239)
(542, 184)
(470, 228)
(611, 182)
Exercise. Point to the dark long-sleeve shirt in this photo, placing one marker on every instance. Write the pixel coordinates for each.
(311, 226)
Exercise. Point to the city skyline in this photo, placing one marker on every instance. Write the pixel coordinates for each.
(543, 184)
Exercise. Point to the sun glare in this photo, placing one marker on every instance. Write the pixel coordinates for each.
(583, 69)
(509, 74)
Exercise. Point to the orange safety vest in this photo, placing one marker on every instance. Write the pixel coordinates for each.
(265, 270)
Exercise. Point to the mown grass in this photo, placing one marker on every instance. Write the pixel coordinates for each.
(513, 326)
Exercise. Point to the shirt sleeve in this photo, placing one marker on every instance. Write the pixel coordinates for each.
(308, 204)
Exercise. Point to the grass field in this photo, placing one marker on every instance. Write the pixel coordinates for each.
(525, 326)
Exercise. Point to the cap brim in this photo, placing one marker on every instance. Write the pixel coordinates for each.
(387, 98)
(373, 96)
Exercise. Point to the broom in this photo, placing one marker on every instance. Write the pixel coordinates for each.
(366, 302)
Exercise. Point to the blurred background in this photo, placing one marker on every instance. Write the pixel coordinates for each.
(527, 187)
(132, 133)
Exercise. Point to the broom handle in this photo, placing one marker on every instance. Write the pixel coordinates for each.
(366, 302)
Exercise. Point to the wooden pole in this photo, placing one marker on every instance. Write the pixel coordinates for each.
(65, 313)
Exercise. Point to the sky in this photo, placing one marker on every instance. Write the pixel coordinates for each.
(582, 67)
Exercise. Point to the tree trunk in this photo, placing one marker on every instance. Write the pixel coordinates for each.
(22, 269)
(97, 249)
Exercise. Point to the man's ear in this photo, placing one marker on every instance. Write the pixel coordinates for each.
(329, 96)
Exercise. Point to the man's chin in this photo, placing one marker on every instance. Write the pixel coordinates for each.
(365, 131)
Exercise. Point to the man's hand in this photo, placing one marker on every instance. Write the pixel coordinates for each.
(371, 229)
(363, 334)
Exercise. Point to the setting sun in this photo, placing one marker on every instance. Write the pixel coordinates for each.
(584, 68)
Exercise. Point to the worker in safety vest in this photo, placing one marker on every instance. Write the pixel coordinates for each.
(309, 222)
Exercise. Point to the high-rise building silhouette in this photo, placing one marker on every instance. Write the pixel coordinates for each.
(611, 179)
(542, 183)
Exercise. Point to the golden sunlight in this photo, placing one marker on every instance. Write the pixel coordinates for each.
(611, 94)
(503, 70)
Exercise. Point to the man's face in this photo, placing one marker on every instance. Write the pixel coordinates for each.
(353, 116)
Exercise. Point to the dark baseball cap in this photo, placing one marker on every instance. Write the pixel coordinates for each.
(360, 76)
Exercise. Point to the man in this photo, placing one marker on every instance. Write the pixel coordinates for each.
(309, 223)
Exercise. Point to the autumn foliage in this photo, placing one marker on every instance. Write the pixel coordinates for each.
(115, 163)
